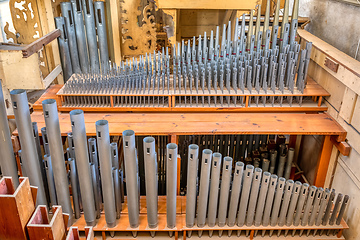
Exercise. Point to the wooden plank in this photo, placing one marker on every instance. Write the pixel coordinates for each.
(343, 147)
(348, 105)
(349, 69)
(51, 76)
(355, 121)
(37, 45)
(204, 4)
(323, 162)
(113, 26)
(206, 123)
(73, 233)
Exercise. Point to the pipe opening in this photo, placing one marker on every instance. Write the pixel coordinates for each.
(171, 146)
(207, 151)
(149, 140)
(49, 101)
(217, 155)
(17, 91)
(101, 123)
(99, 16)
(193, 146)
(76, 112)
(78, 6)
(128, 133)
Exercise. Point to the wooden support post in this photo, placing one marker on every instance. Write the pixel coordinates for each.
(247, 101)
(251, 234)
(40, 226)
(323, 162)
(114, 27)
(171, 34)
(320, 101)
(184, 235)
(339, 234)
(292, 141)
(16, 208)
(111, 101)
(176, 235)
(103, 235)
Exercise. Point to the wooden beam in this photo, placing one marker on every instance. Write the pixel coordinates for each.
(343, 147)
(40, 43)
(205, 4)
(114, 27)
(323, 162)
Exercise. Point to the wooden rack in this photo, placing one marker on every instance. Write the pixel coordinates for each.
(186, 102)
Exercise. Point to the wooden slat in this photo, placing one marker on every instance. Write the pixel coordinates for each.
(204, 4)
(206, 123)
(37, 45)
(343, 147)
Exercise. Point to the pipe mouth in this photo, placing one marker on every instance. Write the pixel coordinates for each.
(298, 183)
(281, 179)
(306, 185)
(267, 174)
(113, 144)
(249, 167)
(258, 170)
(240, 164)
(291, 149)
(217, 155)
(274, 177)
(76, 112)
(171, 146)
(46, 156)
(149, 140)
(207, 151)
(49, 101)
(193, 147)
(91, 140)
(128, 133)
(101, 123)
(313, 187)
(17, 91)
(228, 159)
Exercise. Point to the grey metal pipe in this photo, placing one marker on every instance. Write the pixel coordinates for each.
(281, 165)
(94, 182)
(64, 48)
(336, 209)
(191, 192)
(316, 206)
(103, 141)
(293, 202)
(50, 180)
(82, 165)
(286, 201)
(300, 205)
(265, 166)
(117, 191)
(80, 35)
(326, 218)
(93, 154)
(273, 156)
(235, 193)
(308, 205)
(57, 155)
(253, 196)
(214, 188)
(342, 209)
(277, 201)
(67, 13)
(131, 173)
(71, 144)
(100, 20)
(89, 19)
(269, 200)
(74, 187)
(323, 204)
(225, 189)
(151, 181)
(7, 160)
(38, 149)
(45, 139)
(114, 155)
(27, 141)
(204, 186)
(245, 193)
(171, 184)
(290, 158)
(262, 198)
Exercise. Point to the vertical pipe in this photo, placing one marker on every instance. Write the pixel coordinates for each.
(286, 201)
(300, 204)
(293, 202)
(57, 155)
(88, 11)
(100, 20)
(45, 139)
(214, 188)
(67, 13)
(7, 160)
(103, 141)
(114, 155)
(308, 205)
(269, 200)
(235, 193)
(27, 141)
(117, 191)
(289, 161)
(204, 186)
(131, 173)
(82, 165)
(94, 182)
(80, 35)
(74, 187)
(225, 189)
(192, 173)
(93, 154)
(277, 201)
(245, 193)
(171, 184)
(273, 156)
(151, 181)
(281, 165)
(262, 197)
(253, 196)
(50, 179)
(64, 48)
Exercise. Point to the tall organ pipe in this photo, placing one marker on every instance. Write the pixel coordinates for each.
(82, 165)
(89, 19)
(131, 172)
(214, 188)
(225, 189)
(103, 141)
(191, 195)
(57, 155)
(7, 159)
(171, 183)
(27, 141)
(80, 35)
(101, 31)
(151, 181)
